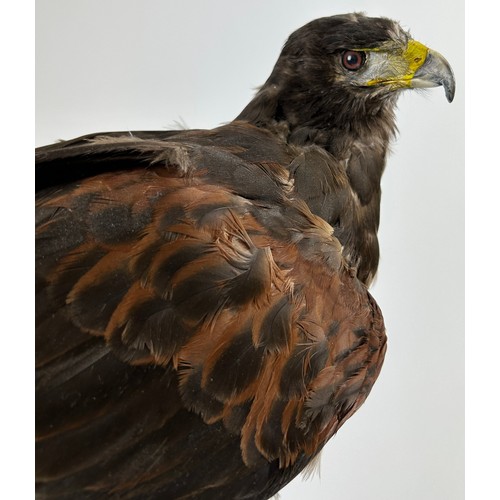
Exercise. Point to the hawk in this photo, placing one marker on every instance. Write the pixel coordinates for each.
(203, 319)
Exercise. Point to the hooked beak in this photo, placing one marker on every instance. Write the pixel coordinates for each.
(434, 72)
(416, 66)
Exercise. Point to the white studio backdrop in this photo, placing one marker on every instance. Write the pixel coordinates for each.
(107, 65)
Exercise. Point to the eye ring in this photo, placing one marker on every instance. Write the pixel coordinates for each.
(353, 60)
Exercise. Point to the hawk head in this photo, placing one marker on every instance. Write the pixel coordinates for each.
(336, 70)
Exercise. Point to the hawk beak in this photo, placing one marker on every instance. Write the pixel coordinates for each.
(435, 71)
(416, 66)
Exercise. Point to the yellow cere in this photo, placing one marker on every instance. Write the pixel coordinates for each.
(415, 54)
(407, 63)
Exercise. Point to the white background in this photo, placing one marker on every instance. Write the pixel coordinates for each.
(106, 65)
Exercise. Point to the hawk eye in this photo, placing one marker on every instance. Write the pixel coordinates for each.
(353, 60)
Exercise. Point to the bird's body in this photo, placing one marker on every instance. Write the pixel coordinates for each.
(204, 323)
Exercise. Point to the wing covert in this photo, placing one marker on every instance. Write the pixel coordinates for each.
(246, 303)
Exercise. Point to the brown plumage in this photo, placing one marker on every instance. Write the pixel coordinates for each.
(203, 320)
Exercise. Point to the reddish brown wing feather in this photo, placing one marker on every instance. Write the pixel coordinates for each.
(247, 298)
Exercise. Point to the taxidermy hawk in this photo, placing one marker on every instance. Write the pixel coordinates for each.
(204, 324)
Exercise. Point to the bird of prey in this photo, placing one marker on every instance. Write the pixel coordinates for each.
(204, 324)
